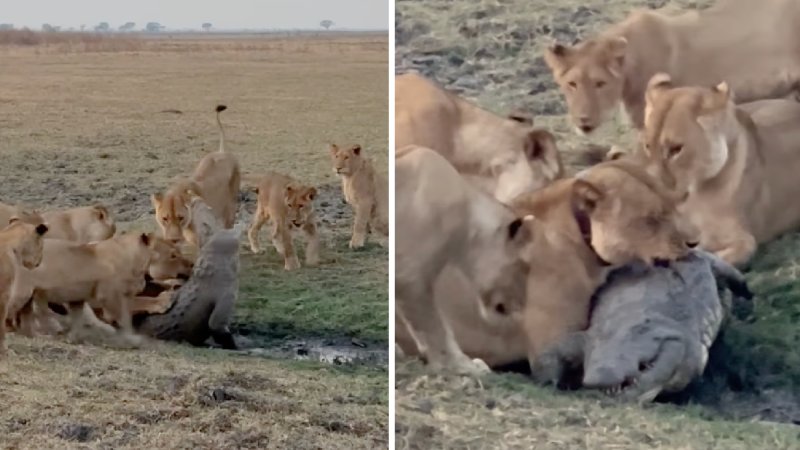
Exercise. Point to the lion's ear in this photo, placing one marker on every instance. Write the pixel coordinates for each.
(356, 149)
(41, 229)
(617, 49)
(519, 230)
(145, 238)
(585, 196)
(556, 57)
(541, 147)
(658, 84)
(156, 200)
(100, 211)
(311, 193)
(334, 149)
(718, 97)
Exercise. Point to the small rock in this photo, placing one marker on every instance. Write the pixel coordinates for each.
(427, 60)
(491, 403)
(424, 406)
(76, 432)
(468, 82)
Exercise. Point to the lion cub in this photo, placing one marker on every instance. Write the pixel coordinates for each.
(365, 190)
(288, 205)
(20, 247)
(216, 180)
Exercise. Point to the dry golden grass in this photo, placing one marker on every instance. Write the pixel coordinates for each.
(79, 127)
(61, 396)
(33, 42)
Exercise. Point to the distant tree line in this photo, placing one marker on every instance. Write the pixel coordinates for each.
(127, 27)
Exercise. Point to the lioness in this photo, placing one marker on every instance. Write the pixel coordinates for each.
(442, 219)
(20, 247)
(726, 41)
(737, 169)
(166, 270)
(107, 274)
(82, 224)
(504, 155)
(289, 205)
(216, 180)
(607, 216)
(366, 190)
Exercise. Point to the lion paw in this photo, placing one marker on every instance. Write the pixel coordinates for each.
(291, 264)
(356, 243)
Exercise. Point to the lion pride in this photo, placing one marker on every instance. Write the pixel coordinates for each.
(504, 155)
(752, 45)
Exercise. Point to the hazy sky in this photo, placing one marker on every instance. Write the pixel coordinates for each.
(372, 14)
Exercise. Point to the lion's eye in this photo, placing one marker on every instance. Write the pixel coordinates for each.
(572, 84)
(600, 84)
(652, 222)
(165, 219)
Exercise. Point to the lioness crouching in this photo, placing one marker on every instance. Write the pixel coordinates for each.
(216, 180)
(83, 224)
(507, 156)
(736, 166)
(289, 205)
(106, 274)
(606, 217)
(443, 219)
(20, 248)
(365, 190)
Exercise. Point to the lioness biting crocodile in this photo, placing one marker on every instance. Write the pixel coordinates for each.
(203, 307)
(650, 330)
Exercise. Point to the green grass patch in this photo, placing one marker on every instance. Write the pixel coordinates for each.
(346, 296)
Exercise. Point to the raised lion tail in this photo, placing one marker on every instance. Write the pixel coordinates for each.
(219, 109)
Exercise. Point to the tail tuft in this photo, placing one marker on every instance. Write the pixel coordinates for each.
(221, 108)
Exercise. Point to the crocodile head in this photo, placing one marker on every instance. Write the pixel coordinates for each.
(638, 360)
(224, 242)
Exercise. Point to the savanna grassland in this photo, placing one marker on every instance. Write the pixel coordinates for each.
(112, 120)
(490, 51)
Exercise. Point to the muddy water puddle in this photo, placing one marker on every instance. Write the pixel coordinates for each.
(337, 353)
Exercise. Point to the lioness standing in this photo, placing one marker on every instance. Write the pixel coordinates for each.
(20, 248)
(752, 45)
(216, 180)
(365, 190)
(442, 220)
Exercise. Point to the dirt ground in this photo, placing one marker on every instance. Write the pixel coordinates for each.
(113, 122)
(491, 51)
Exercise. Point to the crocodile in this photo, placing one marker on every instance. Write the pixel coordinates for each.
(203, 306)
(650, 329)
